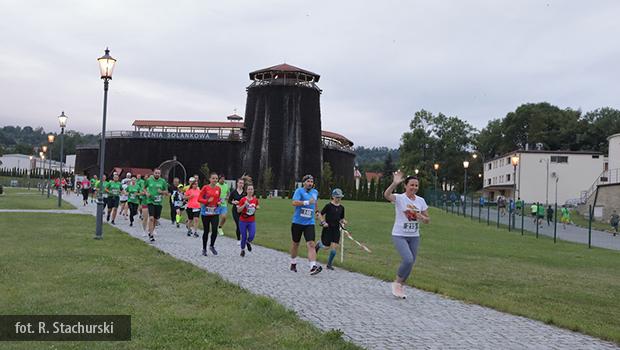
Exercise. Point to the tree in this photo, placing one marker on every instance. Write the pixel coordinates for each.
(326, 183)
(205, 171)
(266, 181)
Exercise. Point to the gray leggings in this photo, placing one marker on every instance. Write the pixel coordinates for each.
(407, 247)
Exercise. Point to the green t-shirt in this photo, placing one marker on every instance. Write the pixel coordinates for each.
(134, 194)
(565, 213)
(104, 185)
(541, 210)
(140, 183)
(153, 187)
(224, 189)
(114, 188)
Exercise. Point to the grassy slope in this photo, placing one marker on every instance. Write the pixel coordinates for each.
(174, 305)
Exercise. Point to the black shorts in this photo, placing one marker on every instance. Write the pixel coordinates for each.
(297, 230)
(191, 214)
(330, 235)
(85, 193)
(113, 202)
(154, 211)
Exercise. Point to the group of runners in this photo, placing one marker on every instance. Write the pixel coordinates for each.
(144, 197)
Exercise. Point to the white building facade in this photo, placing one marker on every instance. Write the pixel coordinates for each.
(23, 162)
(542, 176)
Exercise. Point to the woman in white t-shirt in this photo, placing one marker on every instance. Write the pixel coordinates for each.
(410, 211)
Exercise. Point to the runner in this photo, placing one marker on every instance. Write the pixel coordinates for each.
(144, 208)
(124, 195)
(85, 186)
(223, 207)
(155, 188)
(541, 214)
(193, 207)
(177, 202)
(133, 199)
(113, 189)
(565, 217)
(234, 198)
(94, 183)
(613, 221)
(534, 211)
(173, 189)
(410, 209)
(209, 197)
(332, 218)
(103, 184)
(305, 203)
(247, 220)
(549, 215)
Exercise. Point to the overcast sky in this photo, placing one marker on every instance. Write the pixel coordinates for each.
(379, 61)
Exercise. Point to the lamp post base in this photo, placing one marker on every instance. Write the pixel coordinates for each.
(99, 227)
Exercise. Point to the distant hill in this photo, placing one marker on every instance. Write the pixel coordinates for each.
(373, 158)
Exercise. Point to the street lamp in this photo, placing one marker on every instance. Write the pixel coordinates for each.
(50, 140)
(514, 160)
(475, 155)
(62, 120)
(435, 167)
(416, 171)
(106, 68)
(465, 166)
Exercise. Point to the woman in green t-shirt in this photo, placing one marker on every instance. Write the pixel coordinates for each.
(133, 198)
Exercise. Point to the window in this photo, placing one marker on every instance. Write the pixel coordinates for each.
(488, 181)
(595, 157)
(507, 177)
(559, 159)
(508, 160)
(489, 166)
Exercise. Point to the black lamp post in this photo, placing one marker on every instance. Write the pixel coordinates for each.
(106, 68)
(435, 167)
(62, 120)
(50, 141)
(465, 166)
(42, 156)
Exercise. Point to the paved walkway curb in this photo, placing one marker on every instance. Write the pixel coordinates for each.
(362, 307)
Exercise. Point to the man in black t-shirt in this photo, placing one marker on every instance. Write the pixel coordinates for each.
(332, 218)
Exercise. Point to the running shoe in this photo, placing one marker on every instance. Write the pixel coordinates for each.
(402, 291)
(212, 249)
(294, 267)
(178, 225)
(131, 224)
(315, 270)
(249, 246)
(395, 289)
(239, 243)
(329, 267)
(196, 235)
(151, 238)
(242, 253)
(204, 252)
(220, 231)
(189, 233)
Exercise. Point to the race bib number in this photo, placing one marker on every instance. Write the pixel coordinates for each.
(210, 210)
(306, 213)
(105, 195)
(115, 192)
(178, 204)
(157, 198)
(410, 227)
(195, 210)
(132, 196)
(250, 210)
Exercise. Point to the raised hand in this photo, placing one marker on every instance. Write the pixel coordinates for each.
(398, 176)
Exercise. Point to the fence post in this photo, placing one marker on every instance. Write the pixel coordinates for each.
(497, 208)
(471, 208)
(522, 216)
(536, 219)
(479, 212)
(590, 227)
(555, 223)
(451, 207)
(509, 219)
(488, 215)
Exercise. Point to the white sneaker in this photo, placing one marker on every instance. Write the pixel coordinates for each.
(402, 291)
(220, 231)
(395, 289)
(239, 243)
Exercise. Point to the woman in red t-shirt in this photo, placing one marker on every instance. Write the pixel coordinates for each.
(209, 197)
(247, 222)
(193, 207)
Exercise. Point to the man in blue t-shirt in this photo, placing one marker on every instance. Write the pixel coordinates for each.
(306, 207)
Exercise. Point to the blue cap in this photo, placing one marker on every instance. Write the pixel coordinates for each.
(337, 193)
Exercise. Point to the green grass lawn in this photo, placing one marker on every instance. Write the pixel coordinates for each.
(22, 198)
(174, 305)
(564, 284)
